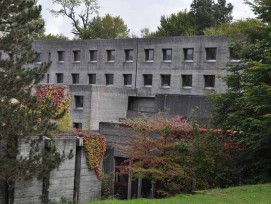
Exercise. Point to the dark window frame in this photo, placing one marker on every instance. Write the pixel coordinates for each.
(59, 78)
(76, 55)
(93, 55)
(147, 80)
(165, 80)
(129, 55)
(60, 56)
(75, 78)
(78, 102)
(109, 79)
(167, 54)
(111, 55)
(127, 79)
(209, 81)
(211, 53)
(188, 57)
(187, 80)
(92, 78)
(149, 55)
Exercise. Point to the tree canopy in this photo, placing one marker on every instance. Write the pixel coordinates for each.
(106, 27)
(246, 106)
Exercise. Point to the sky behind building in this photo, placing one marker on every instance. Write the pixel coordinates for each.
(137, 14)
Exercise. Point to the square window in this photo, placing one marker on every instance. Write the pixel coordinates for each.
(38, 58)
(186, 81)
(60, 56)
(188, 54)
(109, 79)
(48, 78)
(209, 81)
(167, 54)
(129, 55)
(59, 78)
(75, 78)
(77, 125)
(165, 80)
(210, 54)
(93, 54)
(92, 78)
(79, 101)
(147, 79)
(149, 55)
(11, 56)
(233, 54)
(76, 55)
(127, 79)
(110, 55)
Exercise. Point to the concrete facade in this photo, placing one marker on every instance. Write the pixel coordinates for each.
(124, 68)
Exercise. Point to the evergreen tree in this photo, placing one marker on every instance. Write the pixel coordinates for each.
(20, 114)
(246, 106)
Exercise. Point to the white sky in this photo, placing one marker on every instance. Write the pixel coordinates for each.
(136, 14)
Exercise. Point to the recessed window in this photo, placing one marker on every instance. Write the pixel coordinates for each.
(75, 78)
(188, 54)
(129, 55)
(38, 58)
(92, 78)
(210, 54)
(48, 78)
(127, 79)
(209, 81)
(233, 54)
(165, 81)
(186, 81)
(11, 56)
(167, 54)
(109, 79)
(59, 78)
(149, 55)
(79, 101)
(61, 55)
(76, 55)
(93, 54)
(147, 79)
(77, 125)
(110, 55)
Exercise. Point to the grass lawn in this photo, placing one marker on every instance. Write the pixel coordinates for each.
(255, 194)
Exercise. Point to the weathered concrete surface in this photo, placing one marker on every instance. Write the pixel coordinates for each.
(62, 179)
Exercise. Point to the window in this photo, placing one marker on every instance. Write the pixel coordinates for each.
(167, 54)
(60, 56)
(210, 54)
(0, 55)
(110, 55)
(49, 56)
(165, 80)
(147, 79)
(233, 54)
(92, 78)
(76, 55)
(11, 56)
(109, 79)
(59, 78)
(188, 54)
(127, 79)
(186, 81)
(48, 78)
(209, 81)
(75, 78)
(93, 54)
(38, 58)
(77, 125)
(129, 55)
(79, 101)
(149, 55)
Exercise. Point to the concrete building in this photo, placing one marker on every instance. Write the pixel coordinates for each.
(107, 77)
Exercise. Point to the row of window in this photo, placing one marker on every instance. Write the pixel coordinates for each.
(209, 80)
(188, 55)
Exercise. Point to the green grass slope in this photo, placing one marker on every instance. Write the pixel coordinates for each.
(253, 194)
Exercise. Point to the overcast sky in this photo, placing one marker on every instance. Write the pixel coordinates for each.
(137, 14)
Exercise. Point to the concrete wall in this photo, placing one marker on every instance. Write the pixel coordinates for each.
(61, 180)
(107, 104)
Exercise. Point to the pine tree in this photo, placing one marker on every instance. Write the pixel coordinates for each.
(20, 114)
